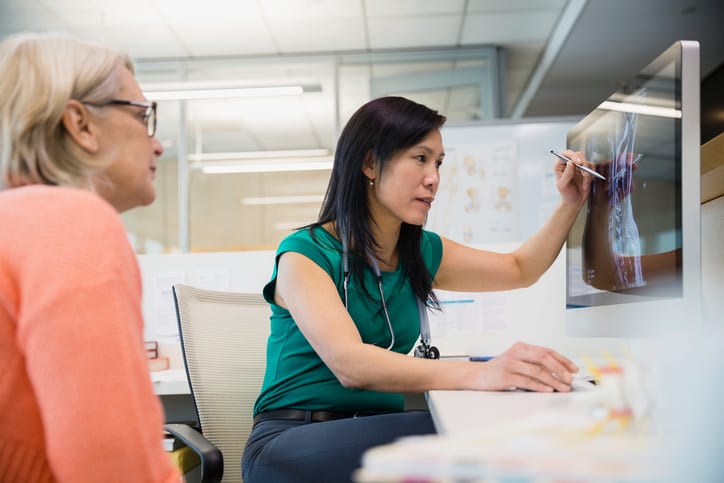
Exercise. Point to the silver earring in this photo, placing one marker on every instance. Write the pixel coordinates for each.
(372, 182)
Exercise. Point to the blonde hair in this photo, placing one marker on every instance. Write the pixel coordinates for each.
(40, 74)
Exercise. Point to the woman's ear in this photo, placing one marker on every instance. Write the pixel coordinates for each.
(79, 125)
(368, 166)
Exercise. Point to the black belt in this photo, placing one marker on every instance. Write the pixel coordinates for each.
(306, 415)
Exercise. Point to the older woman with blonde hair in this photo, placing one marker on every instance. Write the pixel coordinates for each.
(77, 147)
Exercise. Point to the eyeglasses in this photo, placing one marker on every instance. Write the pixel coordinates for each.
(149, 116)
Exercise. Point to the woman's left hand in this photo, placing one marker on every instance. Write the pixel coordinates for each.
(573, 184)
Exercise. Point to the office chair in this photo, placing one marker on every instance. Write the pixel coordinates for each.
(223, 337)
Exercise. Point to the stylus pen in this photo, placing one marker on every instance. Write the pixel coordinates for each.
(481, 358)
(579, 166)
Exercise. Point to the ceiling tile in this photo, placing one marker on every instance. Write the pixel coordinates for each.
(16, 16)
(377, 8)
(392, 32)
(477, 6)
(229, 38)
(208, 11)
(138, 42)
(318, 35)
(129, 13)
(311, 9)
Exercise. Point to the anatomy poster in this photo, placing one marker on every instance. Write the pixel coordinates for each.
(476, 200)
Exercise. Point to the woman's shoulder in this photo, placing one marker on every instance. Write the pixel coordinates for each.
(315, 243)
(53, 199)
(430, 237)
(49, 211)
(69, 231)
(431, 250)
(312, 237)
(431, 241)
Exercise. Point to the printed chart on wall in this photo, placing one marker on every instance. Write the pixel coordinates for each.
(465, 313)
(476, 201)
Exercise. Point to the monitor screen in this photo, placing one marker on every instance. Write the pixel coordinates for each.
(633, 254)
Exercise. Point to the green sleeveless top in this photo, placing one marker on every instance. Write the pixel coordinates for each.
(295, 376)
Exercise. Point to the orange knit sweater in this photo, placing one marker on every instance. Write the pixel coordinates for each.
(76, 400)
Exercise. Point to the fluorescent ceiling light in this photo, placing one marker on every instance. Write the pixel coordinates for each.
(281, 200)
(219, 90)
(317, 159)
(641, 109)
(273, 165)
(287, 153)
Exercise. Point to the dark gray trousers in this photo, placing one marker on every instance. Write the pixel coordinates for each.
(295, 451)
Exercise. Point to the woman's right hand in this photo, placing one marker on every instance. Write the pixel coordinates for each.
(531, 367)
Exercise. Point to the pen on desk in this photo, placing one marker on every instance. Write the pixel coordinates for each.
(579, 166)
(481, 358)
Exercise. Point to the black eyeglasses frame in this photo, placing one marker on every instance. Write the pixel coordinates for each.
(149, 116)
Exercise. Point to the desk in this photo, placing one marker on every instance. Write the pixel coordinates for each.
(464, 412)
(170, 382)
(516, 435)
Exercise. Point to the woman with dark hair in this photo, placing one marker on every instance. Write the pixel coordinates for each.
(349, 296)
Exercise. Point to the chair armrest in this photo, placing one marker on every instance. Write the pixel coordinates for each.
(212, 461)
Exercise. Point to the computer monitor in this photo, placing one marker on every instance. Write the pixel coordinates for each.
(633, 255)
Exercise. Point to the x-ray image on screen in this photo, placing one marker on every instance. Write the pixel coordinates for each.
(628, 239)
(633, 254)
(612, 222)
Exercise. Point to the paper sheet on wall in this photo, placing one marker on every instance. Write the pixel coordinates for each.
(164, 324)
(476, 201)
(469, 313)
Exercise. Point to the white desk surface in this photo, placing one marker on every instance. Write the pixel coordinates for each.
(170, 381)
(463, 412)
(513, 435)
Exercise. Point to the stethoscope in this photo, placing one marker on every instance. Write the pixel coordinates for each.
(425, 350)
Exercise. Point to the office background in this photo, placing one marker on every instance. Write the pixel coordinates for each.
(482, 63)
(477, 61)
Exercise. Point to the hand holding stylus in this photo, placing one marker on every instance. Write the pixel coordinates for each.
(565, 159)
(573, 182)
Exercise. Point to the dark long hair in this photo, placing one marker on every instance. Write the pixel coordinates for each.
(382, 127)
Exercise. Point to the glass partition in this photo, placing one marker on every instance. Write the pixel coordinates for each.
(248, 142)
